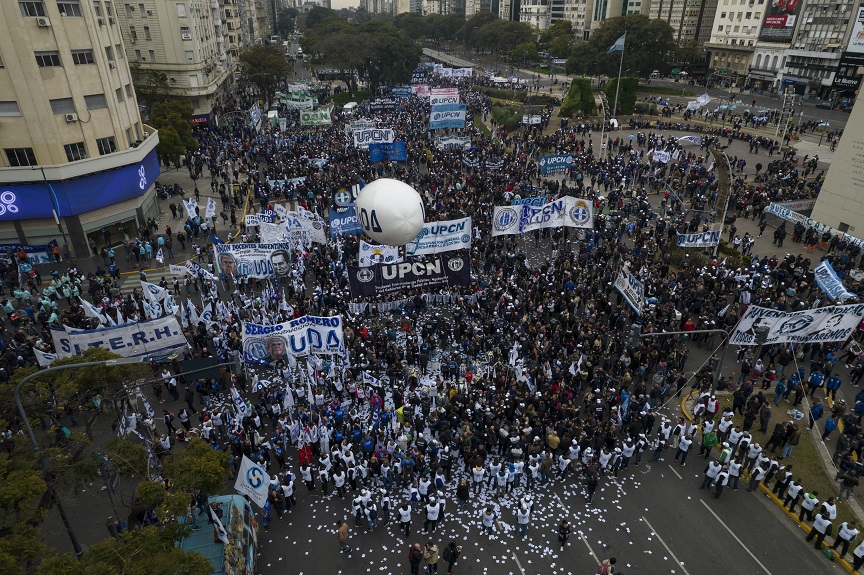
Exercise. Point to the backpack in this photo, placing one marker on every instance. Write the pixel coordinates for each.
(604, 568)
(448, 554)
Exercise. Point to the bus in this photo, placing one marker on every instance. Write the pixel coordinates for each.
(238, 556)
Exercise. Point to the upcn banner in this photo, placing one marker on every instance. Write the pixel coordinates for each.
(567, 211)
(130, 340)
(345, 222)
(79, 195)
(253, 260)
(410, 274)
(555, 164)
(780, 19)
(437, 237)
(298, 337)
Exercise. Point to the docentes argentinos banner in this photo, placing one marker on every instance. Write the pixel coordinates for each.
(410, 274)
(555, 163)
(264, 344)
(820, 325)
(371, 254)
(437, 237)
(699, 240)
(253, 260)
(631, 288)
(567, 211)
(829, 282)
(130, 340)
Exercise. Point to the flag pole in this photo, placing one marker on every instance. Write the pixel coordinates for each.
(618, 85)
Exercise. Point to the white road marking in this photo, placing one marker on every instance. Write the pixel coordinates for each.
(585, 541)
(660, 539)
(518, 564)
(732, 533)
(675, 472)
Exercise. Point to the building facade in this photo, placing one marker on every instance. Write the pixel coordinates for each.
(692, 20)
(535, 13)
(735, 31)
(74, 146)
(187, 42)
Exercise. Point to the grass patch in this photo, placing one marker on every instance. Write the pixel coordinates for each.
(478, 123)
(660, 90)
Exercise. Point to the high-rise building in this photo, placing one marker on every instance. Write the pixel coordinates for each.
(535, 13)
(737, 26)
(690, 19)
(187, 42)
(74, 146)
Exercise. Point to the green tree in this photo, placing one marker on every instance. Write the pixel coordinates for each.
(285, 21)
(649, 44)
(470, 31)
(392, 55)
(198, 468)
(626, 95)
(411, 24)
(264, 66)
(317, 15)
(524, 52)
(23, 506)
(150, 85)
(444, 27)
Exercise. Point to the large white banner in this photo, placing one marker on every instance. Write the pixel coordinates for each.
(253, 481)
(370, 254)
(253, 260)
(631, 288)
(437, 237)
(292, 229)
(130, 340)
(438, 96)
(792, 216)
(830, 323)
(364, 137)
(299, 337)
(567, 211)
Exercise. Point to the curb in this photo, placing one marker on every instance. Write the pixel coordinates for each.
(770, 494)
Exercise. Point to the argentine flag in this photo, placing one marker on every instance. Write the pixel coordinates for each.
(618, 46)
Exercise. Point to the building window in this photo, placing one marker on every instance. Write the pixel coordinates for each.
(106, 145)
(69, 8)
(193, 80)
(190, 56)
(118, 49)
(62, 106)
(720, 28)
(147, 33)
(152, 55)
(185, 34)
(20, 157)
(128, 90)
(138, 130)
(95, 101)
(1, 62)
(108, 11)
(181, 9)
(129, 136)
(138, 55)
(119, 93)
(30, 8)
(76, 151)
(8, 109)
(81, 57)
(109, 53)
(97, 8)
(48, 59)
(133, 33)
(142, 11)
(129, 10)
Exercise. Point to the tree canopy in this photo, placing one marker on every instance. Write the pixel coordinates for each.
(264, 66)
(649, 44)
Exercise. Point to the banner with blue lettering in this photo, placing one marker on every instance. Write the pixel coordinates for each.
(401, 92)
(344, 223)
(830, 283)
(823, 324)
(393, 152)
(631, 288)
(130, 340)
(448, 116)
(419, 77)
(263, 344)
(535, 201)
(437, 237)
(35, 254)
(555, 164)
(253, 260)
(567, 212)
(699, 240)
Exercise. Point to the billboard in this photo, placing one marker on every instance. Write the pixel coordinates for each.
(856, 38)
(846, 77)
(79, 195)
(780, 19)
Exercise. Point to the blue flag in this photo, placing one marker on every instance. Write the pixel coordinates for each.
(215, 239)
(618, 46)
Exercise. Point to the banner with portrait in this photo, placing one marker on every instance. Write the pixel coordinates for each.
(631, 288)
(263, 344)
(253, 260)
(820, 325)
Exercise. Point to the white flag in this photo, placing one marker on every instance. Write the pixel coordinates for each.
(43, 358)
(211, 209)
(218, 528)
(252, 481)
(160, 257)
(288, 400)
(190, 206)
(91, 310)
(239, 405)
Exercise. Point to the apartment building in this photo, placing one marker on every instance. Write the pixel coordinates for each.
(736, 28)
(74, 146)
(692, 20)
(536, 13)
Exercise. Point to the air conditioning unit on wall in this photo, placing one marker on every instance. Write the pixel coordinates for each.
(43, 22)
(71, 117)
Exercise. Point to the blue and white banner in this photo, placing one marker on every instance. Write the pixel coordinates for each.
(439, 96)
(35, 254)
(368, 380)
(823, 324)
(830, 283)
(344, 223)
(371, 254)
(555, 163)
(792, 216)
(253, 481)
(699, 240)
(448, 142)
(661, 156)
(437, 237)
(196, 271)
(253, 260)
(631, 288)
(567, 212)
(692, 139)
(130, 340)
(293, 182)
(263, 344)
(448, 116)
(401, 92)
(366, 136)
(535, 201)
(393, 152)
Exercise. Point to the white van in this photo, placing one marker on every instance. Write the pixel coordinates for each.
(349, 109)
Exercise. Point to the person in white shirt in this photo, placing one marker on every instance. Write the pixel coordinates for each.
(684, 443)
(821, 527)
(829, 507)
(721, 481)
(712, 470)
(808, 505)
(793, 494)
(405, 518)
(858, 557)
(488, 518)
(846, 534)
(734, 473)
(433, 511)
(523, 516)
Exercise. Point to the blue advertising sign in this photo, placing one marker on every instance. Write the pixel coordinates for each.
(344, 223)
(393, 152)
(80, 195)
(555, 163)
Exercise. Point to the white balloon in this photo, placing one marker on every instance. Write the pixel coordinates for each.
(390, 212)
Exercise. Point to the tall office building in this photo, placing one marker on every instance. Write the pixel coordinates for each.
(690, 19)
(72, 137)
(187, 42)
(536, 13)
(737, 26)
